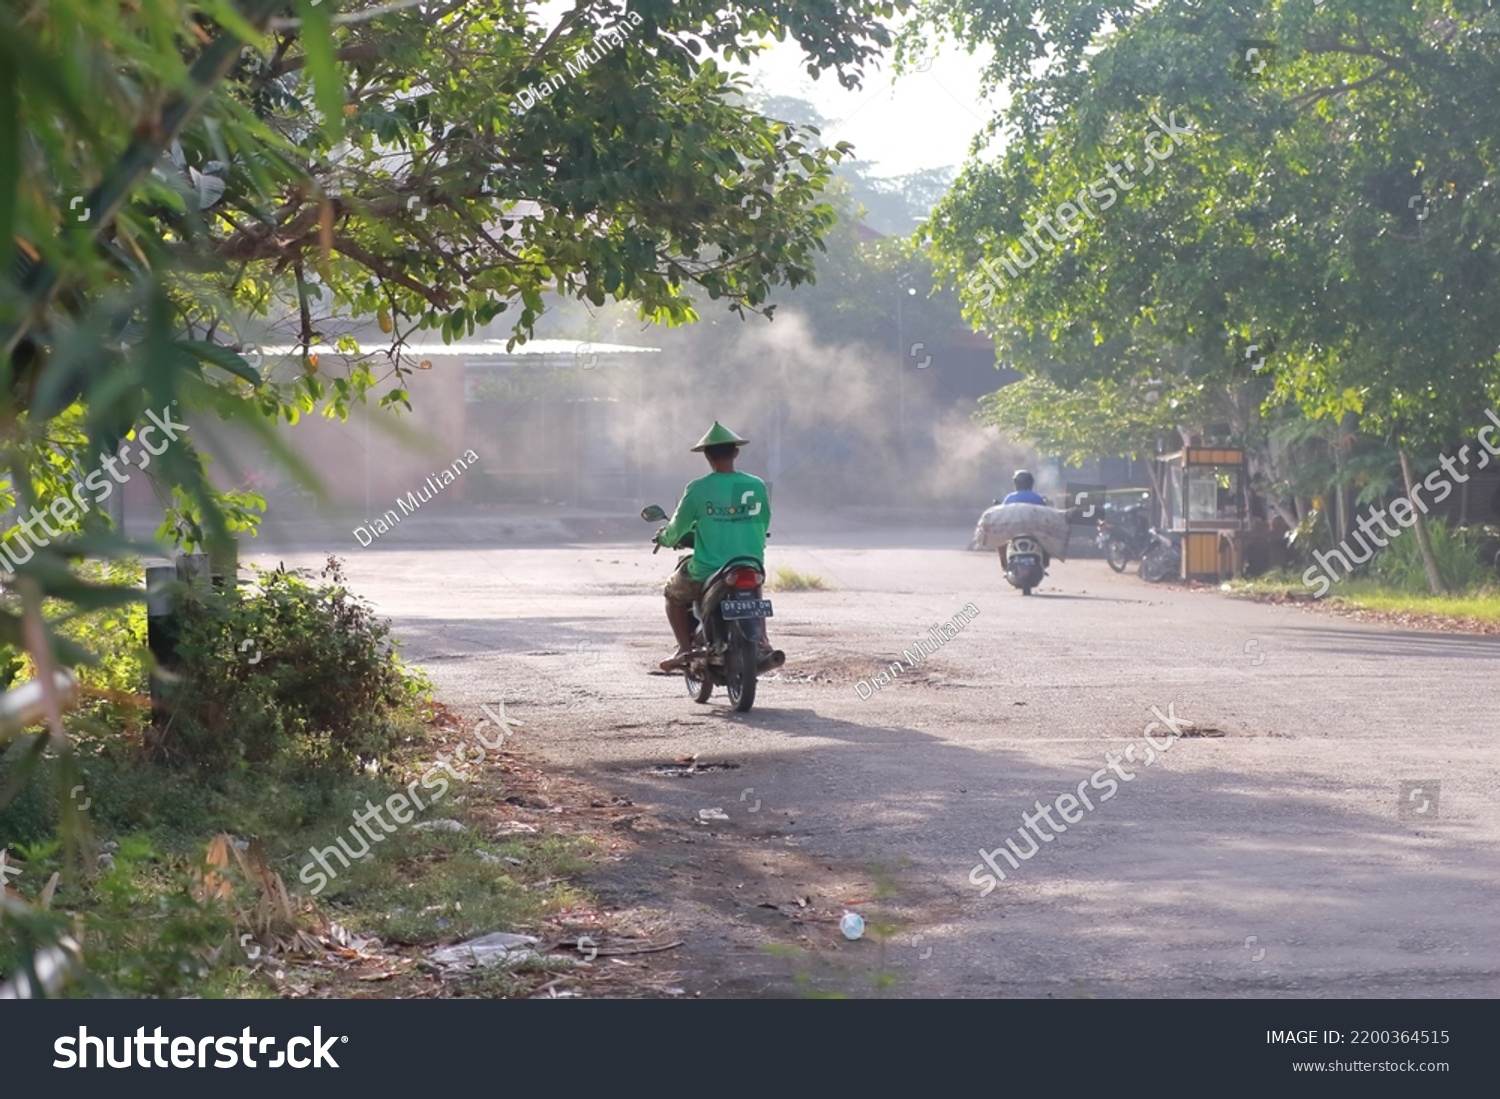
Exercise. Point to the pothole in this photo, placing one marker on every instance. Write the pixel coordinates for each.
(687, 770)
(1197, 728)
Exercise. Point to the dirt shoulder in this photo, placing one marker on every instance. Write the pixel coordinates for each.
(551, 831)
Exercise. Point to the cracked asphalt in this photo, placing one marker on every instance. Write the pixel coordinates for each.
(1274, 849)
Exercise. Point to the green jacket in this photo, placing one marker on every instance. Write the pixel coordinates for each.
(729, 515)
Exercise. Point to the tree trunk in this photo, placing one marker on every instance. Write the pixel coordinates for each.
(1424, 543)
(1159, 499)
(1339, 520)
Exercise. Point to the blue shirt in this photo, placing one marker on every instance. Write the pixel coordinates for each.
(1024, 496)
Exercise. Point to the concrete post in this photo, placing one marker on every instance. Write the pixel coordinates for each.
(161, 633)
(224, 562)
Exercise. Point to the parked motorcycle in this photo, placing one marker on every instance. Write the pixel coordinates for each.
(1163, 558)
(1025, 563)
(731, 623)
(1124, 534)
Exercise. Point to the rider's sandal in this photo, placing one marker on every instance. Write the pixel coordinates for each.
(675, 663)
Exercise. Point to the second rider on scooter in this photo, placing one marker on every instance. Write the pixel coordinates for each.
(1024, 494)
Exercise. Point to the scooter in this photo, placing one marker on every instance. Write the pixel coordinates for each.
(731, 623)
(1162, 559)
(1025, 563)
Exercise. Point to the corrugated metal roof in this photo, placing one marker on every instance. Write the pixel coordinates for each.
(474, 349)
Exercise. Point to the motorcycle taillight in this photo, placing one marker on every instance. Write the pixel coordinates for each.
(744, 578)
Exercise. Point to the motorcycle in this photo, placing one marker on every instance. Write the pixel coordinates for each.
(1162, 559)
(731, 624)
(1124, 534)
(1028, 537)
(1025, 563)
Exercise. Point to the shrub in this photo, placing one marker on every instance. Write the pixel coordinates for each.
(1400, 563)
(327, 685)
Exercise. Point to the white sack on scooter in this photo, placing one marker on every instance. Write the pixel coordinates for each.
(999, 524)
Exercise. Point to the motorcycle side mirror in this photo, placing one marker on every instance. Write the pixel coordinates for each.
(653, 513)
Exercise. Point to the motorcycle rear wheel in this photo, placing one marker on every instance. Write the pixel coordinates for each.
(1117, 553)
(741, 671)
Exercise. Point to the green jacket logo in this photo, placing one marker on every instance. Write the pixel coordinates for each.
(732, 510)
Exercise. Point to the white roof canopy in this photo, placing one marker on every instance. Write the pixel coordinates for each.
(477, 349)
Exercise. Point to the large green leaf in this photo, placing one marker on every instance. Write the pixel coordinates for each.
(218, 355)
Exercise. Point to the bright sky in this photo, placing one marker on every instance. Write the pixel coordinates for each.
(925, 120)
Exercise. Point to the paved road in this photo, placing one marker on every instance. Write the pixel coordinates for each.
(1261, 853)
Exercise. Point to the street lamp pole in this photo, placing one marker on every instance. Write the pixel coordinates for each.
(903, 284)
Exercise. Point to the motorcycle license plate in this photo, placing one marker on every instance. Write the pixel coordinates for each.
(746, 608)
(1025, 561)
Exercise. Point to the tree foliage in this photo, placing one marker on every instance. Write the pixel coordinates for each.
(181, 182)
(1336, 210)
(1332, 227)
(171, 174)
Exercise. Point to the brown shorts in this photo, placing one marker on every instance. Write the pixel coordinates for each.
(682, 588)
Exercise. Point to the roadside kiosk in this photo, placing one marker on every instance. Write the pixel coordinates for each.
(1203, 495)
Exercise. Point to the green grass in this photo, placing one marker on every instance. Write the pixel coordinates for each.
(1481, 603)
(154, 920)
(430, 886)
(147, 935)
(791, 580)
(1280, 582)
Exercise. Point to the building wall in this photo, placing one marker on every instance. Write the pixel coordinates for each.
(361, 455)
